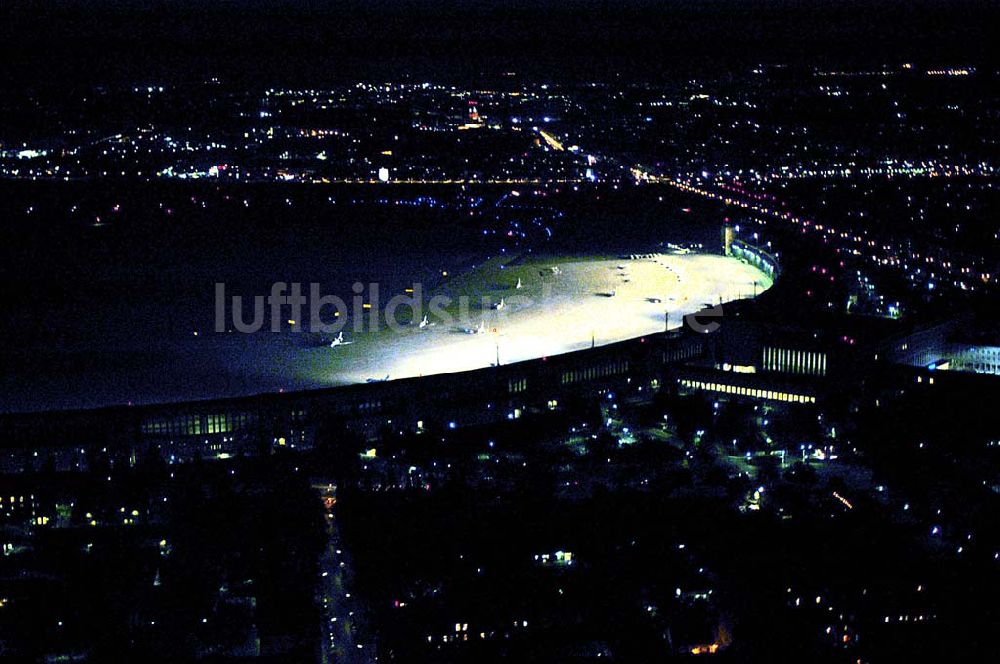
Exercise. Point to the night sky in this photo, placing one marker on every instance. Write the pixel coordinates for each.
(71, 41)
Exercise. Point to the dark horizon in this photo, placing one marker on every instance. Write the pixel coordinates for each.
(103, 42)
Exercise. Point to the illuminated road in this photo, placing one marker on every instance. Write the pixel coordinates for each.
(339, 635)
(551, 141)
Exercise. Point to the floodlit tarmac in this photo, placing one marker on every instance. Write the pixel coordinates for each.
(562, 305)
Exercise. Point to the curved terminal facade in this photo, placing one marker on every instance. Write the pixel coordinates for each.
(568, 338)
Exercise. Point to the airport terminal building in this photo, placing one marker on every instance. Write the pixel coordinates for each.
(746, 358)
